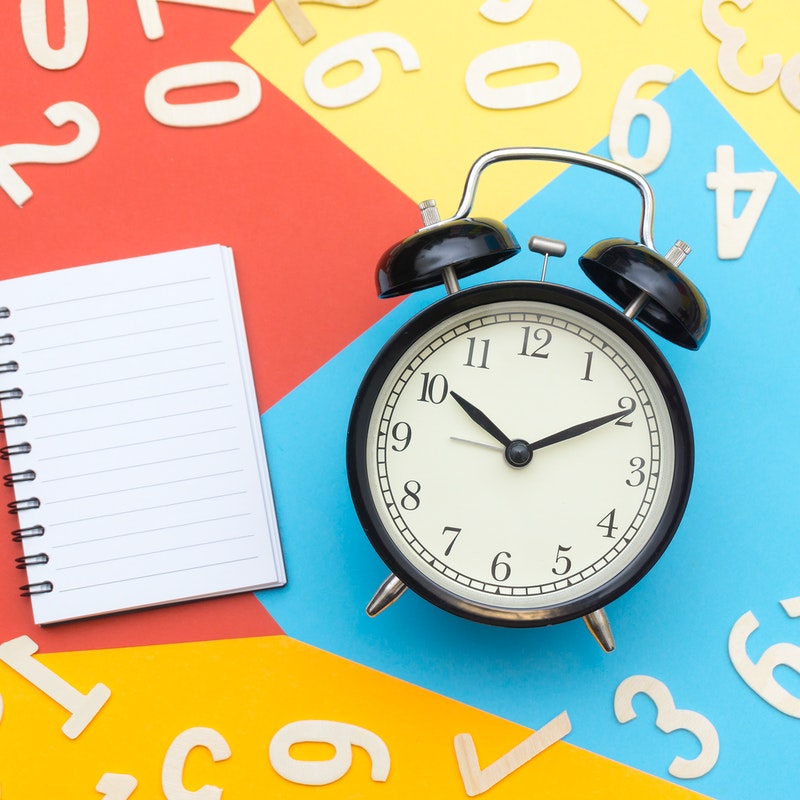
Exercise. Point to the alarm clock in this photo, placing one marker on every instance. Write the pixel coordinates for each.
(520, 453)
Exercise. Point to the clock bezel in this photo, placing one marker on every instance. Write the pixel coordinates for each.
(469, 299)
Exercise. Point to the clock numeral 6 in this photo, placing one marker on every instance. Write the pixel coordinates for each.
(501, 569)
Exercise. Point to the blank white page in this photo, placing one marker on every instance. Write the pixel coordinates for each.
(146, 440)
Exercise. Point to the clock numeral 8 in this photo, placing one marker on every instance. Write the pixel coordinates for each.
(410, 501)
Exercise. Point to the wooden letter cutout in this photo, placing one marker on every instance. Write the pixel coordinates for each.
(477, 780)
(175, 760)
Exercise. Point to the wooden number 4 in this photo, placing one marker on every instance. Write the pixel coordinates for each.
(477, 780)
(733, 233)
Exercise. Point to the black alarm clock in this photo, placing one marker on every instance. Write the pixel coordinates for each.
(520, 453)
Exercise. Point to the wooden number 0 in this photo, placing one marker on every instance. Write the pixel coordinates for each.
(670, 719)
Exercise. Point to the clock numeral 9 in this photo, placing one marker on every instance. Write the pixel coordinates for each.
(401, 433)
(629, 404)
(539, 335)
(410, 501)
(434, 388)
(501, 569)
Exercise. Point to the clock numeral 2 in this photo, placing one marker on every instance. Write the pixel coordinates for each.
(629, 405)
(484, 353)
(539, 335)
(434, 388)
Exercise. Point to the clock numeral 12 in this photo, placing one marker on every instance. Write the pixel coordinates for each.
(540, 335)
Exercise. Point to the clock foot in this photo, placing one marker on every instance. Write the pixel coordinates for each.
(388, 592)
(597, 622)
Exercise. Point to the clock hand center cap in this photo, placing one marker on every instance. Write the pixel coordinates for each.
(518, 453)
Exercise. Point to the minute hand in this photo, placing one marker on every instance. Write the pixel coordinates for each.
(576, 430)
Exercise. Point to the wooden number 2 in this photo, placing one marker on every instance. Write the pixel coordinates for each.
(668, 719)
(477, 780)
(83, 144)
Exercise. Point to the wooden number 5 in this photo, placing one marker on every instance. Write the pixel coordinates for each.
(668, 719)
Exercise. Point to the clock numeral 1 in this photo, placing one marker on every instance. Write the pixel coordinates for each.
(448, 530)
(539, 335)
(484, 353)
(410, 501)
(563, 562)
(587, 376)
(434, 388)
(501, 569)
(607, 524)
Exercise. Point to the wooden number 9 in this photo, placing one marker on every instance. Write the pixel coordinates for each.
(668, 719)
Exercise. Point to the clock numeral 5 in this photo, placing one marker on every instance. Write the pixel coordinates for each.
(563, 562)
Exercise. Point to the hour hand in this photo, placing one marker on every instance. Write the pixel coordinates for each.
(476, 415)
(576, 430)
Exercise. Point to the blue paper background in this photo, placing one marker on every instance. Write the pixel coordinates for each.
(738, 548)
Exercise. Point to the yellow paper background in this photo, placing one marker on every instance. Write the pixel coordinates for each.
(246, 690)
(422, 131)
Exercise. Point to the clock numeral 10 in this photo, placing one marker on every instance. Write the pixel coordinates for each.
(434, 388)
(539, 335)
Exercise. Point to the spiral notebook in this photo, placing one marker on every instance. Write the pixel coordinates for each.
(133, 436)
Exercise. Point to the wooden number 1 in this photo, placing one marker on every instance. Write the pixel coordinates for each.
(18, 654)
(477, 780)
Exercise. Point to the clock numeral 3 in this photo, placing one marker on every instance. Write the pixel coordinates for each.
(637, 462)
(539, 335)
(434, 388)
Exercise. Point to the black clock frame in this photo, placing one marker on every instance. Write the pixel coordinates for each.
(405, 337)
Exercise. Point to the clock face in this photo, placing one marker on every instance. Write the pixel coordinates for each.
(520, 454)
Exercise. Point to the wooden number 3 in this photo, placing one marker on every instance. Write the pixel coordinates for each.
(668, 719)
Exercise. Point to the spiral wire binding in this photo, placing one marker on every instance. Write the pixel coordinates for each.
(11, 479)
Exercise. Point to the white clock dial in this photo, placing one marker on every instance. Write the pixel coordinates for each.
(520, 456)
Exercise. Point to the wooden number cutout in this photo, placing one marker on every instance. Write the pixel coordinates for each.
(732, 40)
(175, 760)
(516, 56)
(668, 719)
(733, 233)
(18, 654)
(33, 16)
(342, 736)
(759, 675)
(297, 20)
(634, 8)
(790, 81)
(116, 787)
(83, 144)
(477, 780)
(505, 10)
(151, 16)
(628, 107)
(360, 49)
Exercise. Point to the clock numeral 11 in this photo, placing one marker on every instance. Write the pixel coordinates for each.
(484, 353)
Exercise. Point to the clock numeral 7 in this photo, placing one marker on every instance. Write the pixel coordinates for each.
(448, 530)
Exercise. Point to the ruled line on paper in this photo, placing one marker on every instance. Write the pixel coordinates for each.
(158, 574)
(146, 288)
(134, 400)
(192, 546)
(127, 378)
(121, 358)
(116, 314)
(73, 498)
(159, 529)
(148, 508)
(72, 476)
(119, 336)
(135, 422)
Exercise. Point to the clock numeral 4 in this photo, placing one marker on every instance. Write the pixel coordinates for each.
(607, 524)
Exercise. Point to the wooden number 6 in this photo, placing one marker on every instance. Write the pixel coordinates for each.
(668, 719)
(83, 144)
(342, 736)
